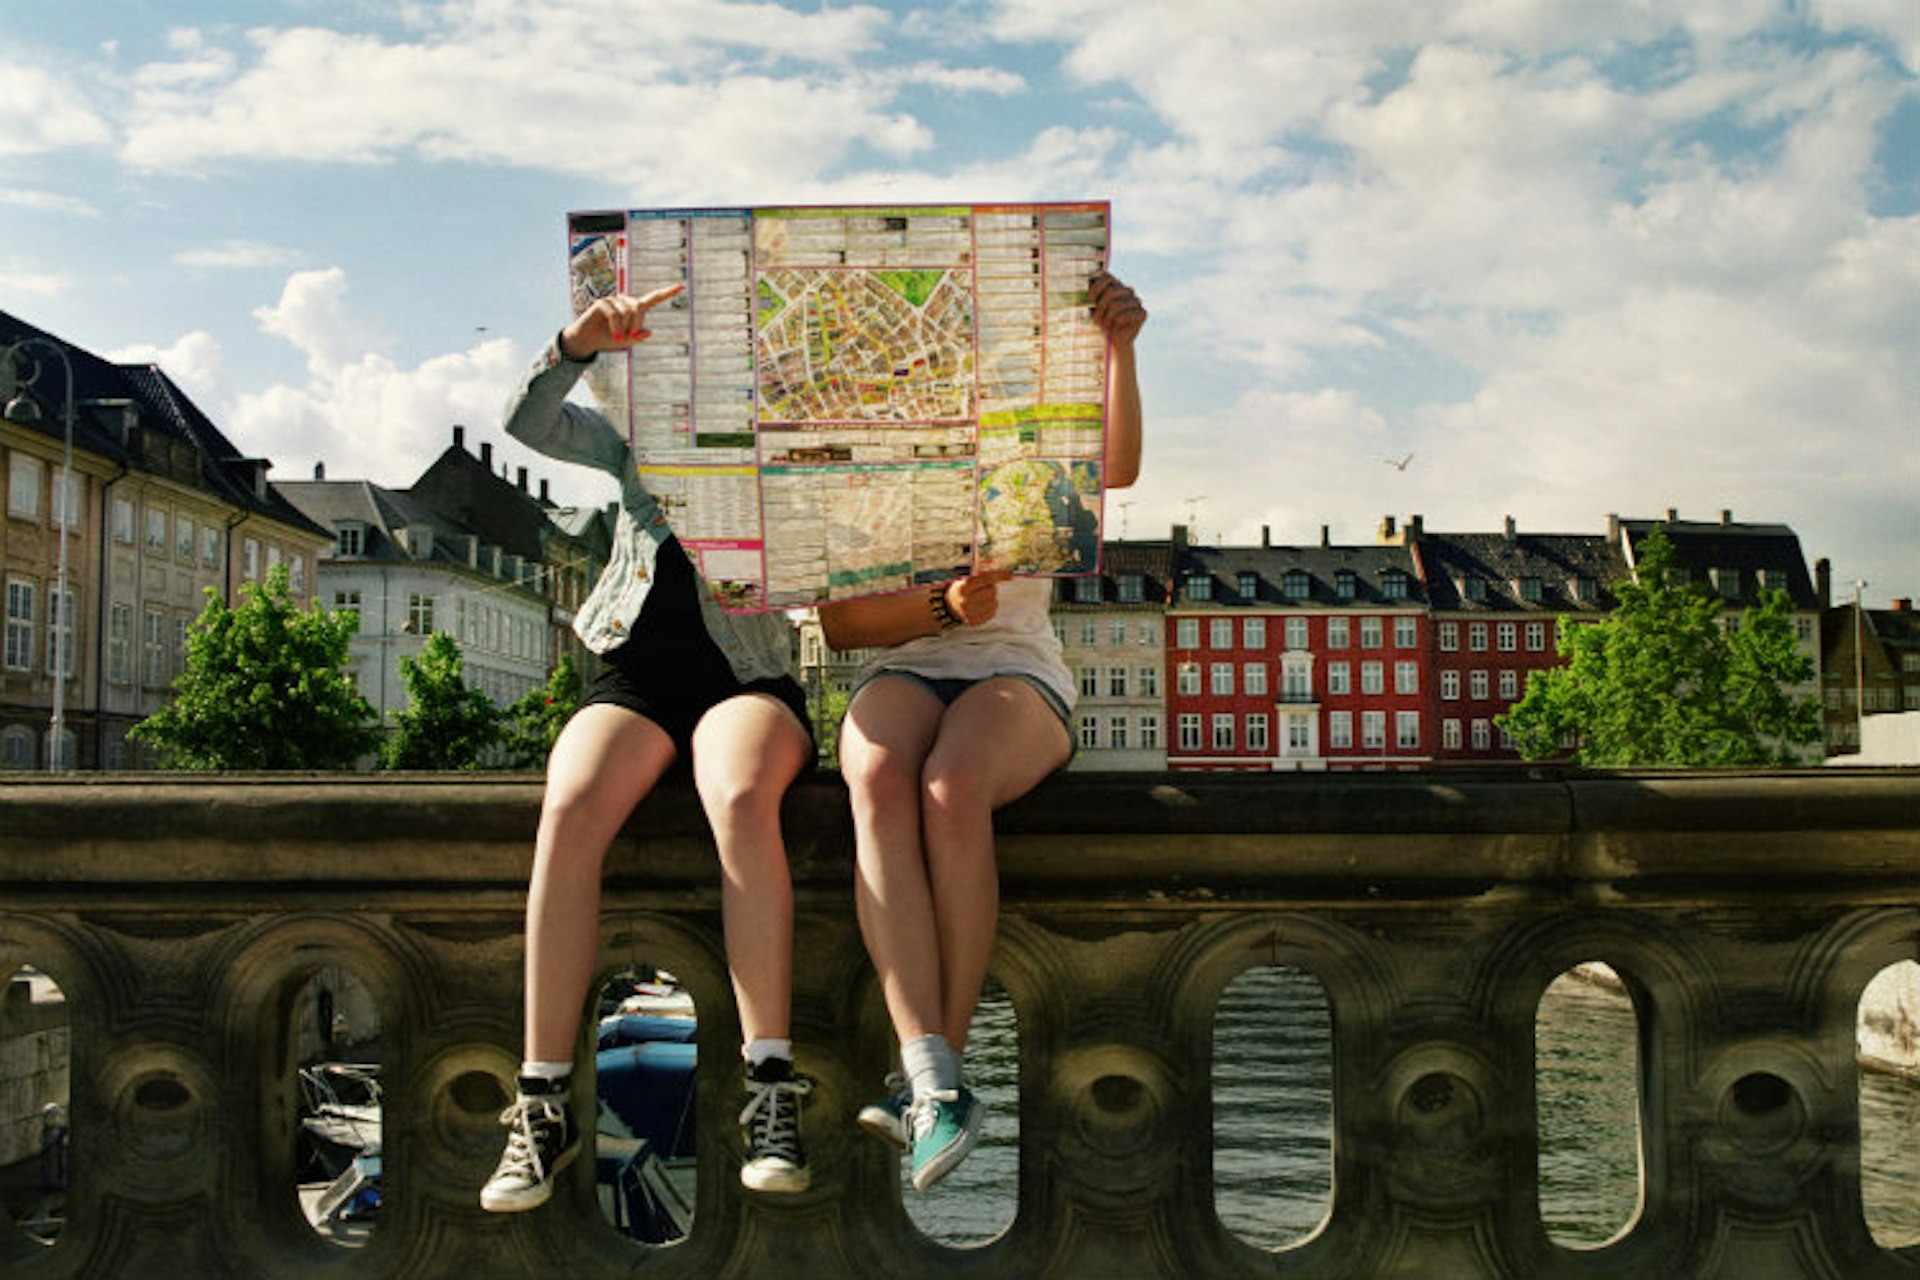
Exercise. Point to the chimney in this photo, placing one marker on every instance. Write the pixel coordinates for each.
(1416, 527)
(1179, 537)
(545, 499)
(1673, 515)
(520, 479)
(1823, 581)
(1903, 604)
(1613, 527)
(1326, 535)
(319, 471)
(1386, 529)
(1726, 516)
(1266, 537)
(1511, 533)
(486, 454)
(459, 436)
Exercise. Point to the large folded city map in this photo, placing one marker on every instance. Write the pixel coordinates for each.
(851, 401)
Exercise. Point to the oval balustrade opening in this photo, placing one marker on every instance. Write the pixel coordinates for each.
(35, 1078)
(976, 1203)
(1889, 1047)
(644, 1132)
(337, 1034)
(1273, 1106)
(1587, 1082)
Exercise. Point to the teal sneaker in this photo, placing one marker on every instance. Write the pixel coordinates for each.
(886, 1118)
(946, 1126)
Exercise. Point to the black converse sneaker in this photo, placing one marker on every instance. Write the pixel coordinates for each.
(771, 1119)
(541, 1141)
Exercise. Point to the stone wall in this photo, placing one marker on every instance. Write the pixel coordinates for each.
(33, 1063)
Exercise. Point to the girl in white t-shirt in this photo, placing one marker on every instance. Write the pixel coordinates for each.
(967, 710)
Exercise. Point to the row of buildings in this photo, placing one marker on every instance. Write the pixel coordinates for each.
(1398, 653)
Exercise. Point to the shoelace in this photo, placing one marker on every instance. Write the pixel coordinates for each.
(924, 1111)
(523, 1148)
(776, 1105)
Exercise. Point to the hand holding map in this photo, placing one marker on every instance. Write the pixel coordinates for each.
(611, 323)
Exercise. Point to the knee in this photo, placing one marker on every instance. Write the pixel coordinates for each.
(739, 800)
(876, 778)
(951, 798)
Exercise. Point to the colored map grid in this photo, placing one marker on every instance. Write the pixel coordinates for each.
(852, 401)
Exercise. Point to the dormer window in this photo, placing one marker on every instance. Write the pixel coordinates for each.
(1529, 589)
(1393, 584)
(1474, 589)
(1295, 586)
(1132, 588)
(1726, 582)
(350, 539)
(1086, 591)
(1249, 586)
(1345, 584)
(1199, 587)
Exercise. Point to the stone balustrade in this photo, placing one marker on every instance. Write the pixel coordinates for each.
(1745, 913)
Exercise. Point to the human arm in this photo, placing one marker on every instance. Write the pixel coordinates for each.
(540, 416)
(884, 621)
(1120, 314)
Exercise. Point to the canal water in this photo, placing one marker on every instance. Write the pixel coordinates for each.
(1272, 1089)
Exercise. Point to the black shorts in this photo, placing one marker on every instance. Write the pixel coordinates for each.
(675, 695)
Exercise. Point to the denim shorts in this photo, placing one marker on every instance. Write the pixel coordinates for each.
(949, 688)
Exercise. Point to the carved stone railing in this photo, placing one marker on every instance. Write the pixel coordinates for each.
(1746, 913)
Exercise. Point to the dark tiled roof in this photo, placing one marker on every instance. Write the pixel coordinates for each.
(163, 408)
(1323, 566)
(1559, 562)
(1702, 547)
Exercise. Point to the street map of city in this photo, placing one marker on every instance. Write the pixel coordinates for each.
(852, 401)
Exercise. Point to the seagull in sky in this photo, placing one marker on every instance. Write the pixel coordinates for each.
(1398, 464)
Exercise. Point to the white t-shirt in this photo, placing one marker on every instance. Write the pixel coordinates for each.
(1017, 640)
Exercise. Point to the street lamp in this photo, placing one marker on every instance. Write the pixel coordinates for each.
(22, 409)
(1859, 673)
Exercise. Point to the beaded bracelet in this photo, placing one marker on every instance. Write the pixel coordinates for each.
(942, 611)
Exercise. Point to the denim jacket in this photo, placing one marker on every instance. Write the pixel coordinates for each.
(756, 645)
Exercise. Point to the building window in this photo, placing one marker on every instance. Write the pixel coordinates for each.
(1253, 633)
(1449, 686)
(1295, 585)
(1299, 735)
(1373, 730)
(1345, 584)
(184, 541)
(250, 559)
(1337, 632)
(209, 548)
(1256, 732)
(1371, 633)
(1223, 732)
(1187, 677)
(1340, 731)
(1116, 682)
(1339, 681)
(1249, 584)
(1089, 632)
(1477, 637)
(420, 613)
(1189, 731)
(1199, 587)
(1509, 685)
(1150, 731)
(350, 540)
(1147, 680)
(1149, 631)
(1482, 736)
(1060, 631)
(1220, 680)
(1474, 589)
(1089, 682)
(297, 573)
(60, 632)
(1536, 637)
(1508, 637)
(122, 520)
(120, 644)
(16, 748)
(1117, 733)
(20, 611)
(1220, 633)
(1089, 732)
(1406, 677)
(1116, 631)
(24, 480)
(1406, 730)
(153, 648)
(1530, 590)
(1086, 590)
(1186, 633)
(348, 602)
(1406, 633)
(1450, 734)
(1297, 633)
(1477, 686)
(1372, 678)
(1393, 584)
(1449, 637)
(1253, 678)
(1296, 680)
(156, 531)
(1132, 588)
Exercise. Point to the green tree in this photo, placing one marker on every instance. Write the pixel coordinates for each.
(827, 708)
(446, 724)
(1661, 682)
(535, 720)
(265, 687)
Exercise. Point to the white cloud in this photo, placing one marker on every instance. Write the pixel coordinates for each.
(39, 111)
(195, 361)
(314, 315)
(237, 255)
(50, 202)
(23, 279)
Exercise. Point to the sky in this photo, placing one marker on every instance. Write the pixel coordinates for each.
(1575, 257)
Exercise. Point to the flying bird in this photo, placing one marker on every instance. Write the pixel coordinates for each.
(1398, 464)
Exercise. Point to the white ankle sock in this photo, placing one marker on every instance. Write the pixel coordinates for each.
(931, 1065)
(758, 1051)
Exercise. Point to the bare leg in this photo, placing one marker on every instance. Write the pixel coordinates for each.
(746, 752)
(605, 760)
(996, 742)
(884, 742)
